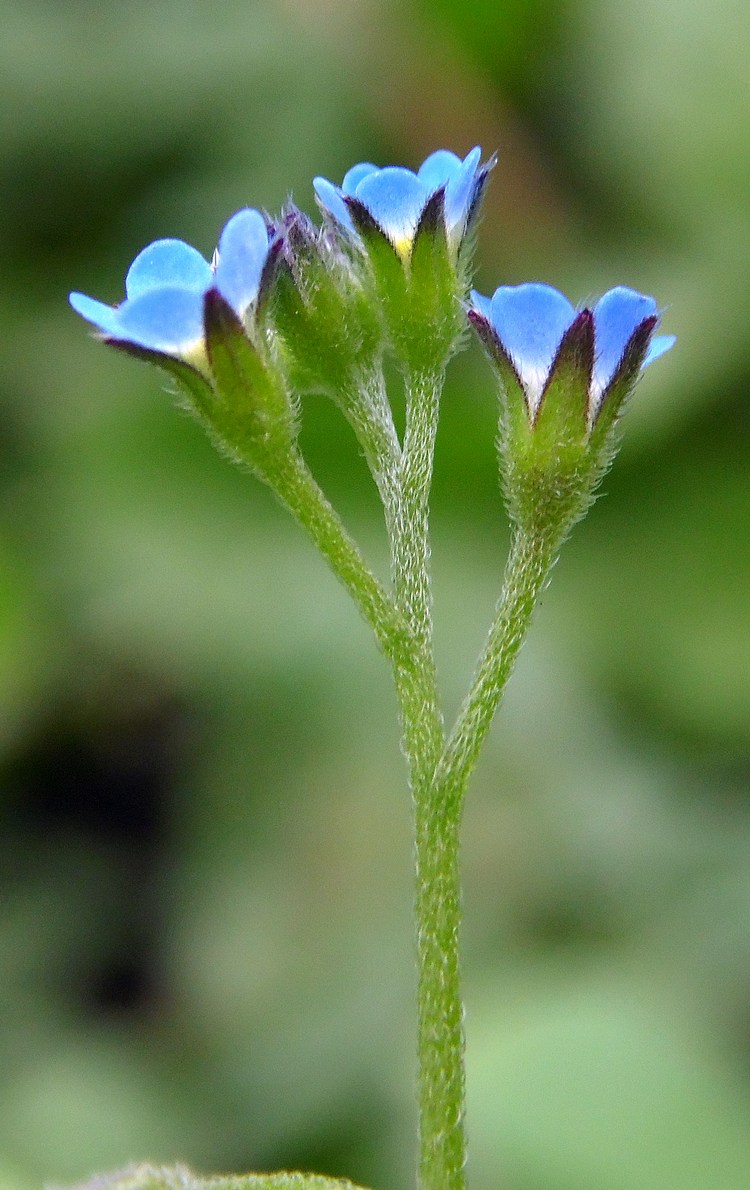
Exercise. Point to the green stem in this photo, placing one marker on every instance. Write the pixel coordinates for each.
(296, 488)
(369, 413)
(410, 544)
(440, 1044)
(438, 801)
(529, 563)
(441, 1091)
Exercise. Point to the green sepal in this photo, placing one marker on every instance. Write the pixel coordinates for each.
(435, 288)
(179, 1177)
(267, 280)
(330, 333)
(388, 271)
(614, 398)
(561, 418)
(252, 413)
(548, 469)
(417, 293)
(468, 240)
(196, 387)
(516, 428)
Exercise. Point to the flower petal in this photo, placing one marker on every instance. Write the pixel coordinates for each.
(438, 169)
(355, 175)
(330, 200)
(168, 320)
(396, 198)
(167, 262)
(530, 321)
(482, 305)
(105, 318)
(616, 316)
(460, 192)
(243, 248)
(658, 346)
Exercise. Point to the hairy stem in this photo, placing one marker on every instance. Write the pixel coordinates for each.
(529, 563)
(369, 413)
(440, 1044)
(438, 805)
(296, 488)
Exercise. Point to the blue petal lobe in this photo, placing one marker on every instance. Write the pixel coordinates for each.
(482, 305)
(530, 321)
(658, 346)
(616, 316)
(243, 248)
(396, 198)
(355, 175)
(167, 262)
(330, 200)
(168, 320)
(460, 191)
(437, 169)
(105, 318)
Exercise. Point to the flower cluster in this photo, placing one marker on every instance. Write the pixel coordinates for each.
(286, 307)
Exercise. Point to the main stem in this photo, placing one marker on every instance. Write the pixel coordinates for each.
(438, 797)
(440, 1035)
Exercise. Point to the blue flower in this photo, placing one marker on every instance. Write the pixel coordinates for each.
(530, 322)
(396, 197)
(166, 285)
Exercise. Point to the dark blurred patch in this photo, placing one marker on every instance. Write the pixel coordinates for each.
(98, 779)
(573, 918)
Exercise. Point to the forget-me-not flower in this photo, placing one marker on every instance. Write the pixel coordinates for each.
(166, 285)
(396, 197)
(529, 322)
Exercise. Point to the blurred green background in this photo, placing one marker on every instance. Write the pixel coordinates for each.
(205, 947)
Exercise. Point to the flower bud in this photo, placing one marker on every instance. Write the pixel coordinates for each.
(414, 231)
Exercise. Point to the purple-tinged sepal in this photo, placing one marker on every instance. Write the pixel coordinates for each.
(565, 375)
(252, 417)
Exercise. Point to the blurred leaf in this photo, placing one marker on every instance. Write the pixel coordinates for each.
(147, 1177)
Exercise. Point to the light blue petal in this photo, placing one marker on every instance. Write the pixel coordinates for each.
(167, 262)
(438, 169)
(168, 320)
(530, 321)
(396, 198)
(330, 200)
(616, 316)
(460, 192)
(243, 248)
(483, 305)
(355, 175)
(105, 318)
(658, 346)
